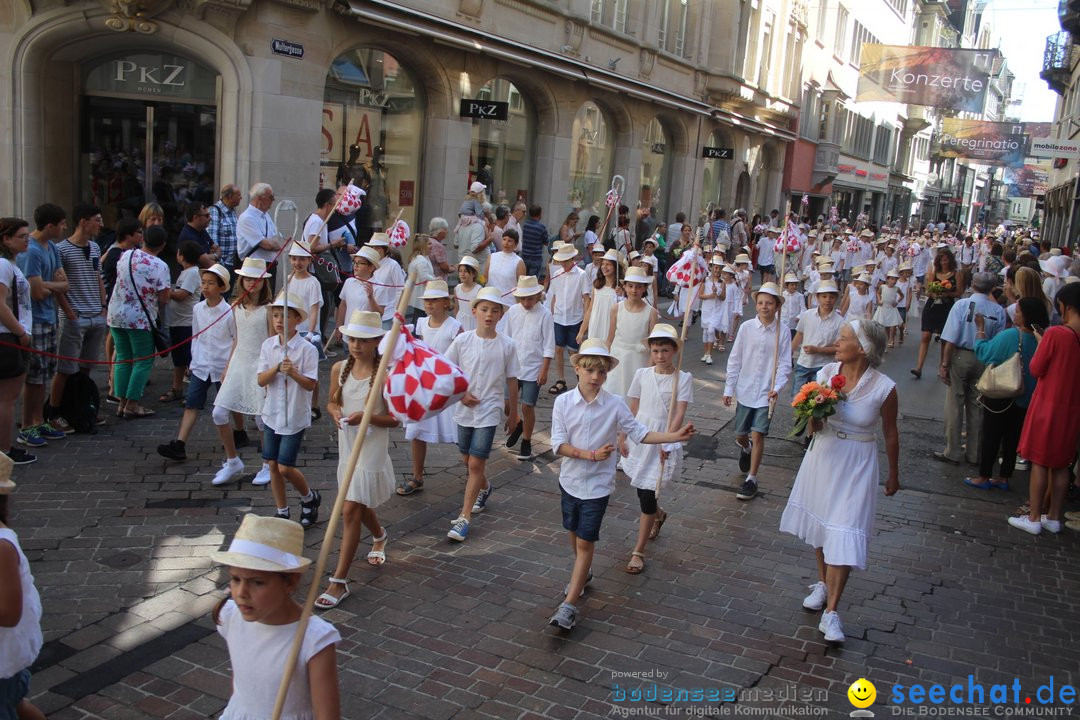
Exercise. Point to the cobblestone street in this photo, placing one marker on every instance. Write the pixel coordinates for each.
(118, 540)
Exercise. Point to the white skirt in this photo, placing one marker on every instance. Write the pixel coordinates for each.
(439, 428)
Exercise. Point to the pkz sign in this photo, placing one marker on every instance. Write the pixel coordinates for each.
(150, 74)
(287, 47)
(485, 109)
(717, 153)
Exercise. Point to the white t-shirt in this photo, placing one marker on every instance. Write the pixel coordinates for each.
(12, 278)
(818, 332)
(210, 350)
(20, 645)
(533, 333)
(355, 297)
(309, 292)
(389, 281)
(567, 292)
(314, 226)
(180, 310)
(287, 406)
(487, 363)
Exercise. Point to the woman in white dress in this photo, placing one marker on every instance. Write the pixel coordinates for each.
(504, 268)
(832, 502)
(598, 306)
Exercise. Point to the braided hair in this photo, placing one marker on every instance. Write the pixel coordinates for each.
(346, 369)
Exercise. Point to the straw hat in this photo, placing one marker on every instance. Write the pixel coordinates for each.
(791, 278)
(858, 270)
(637, 275)
(489, 294)
(292, 302)
(268, 544)
(906, 267)
(827, 286)
(221, 271)
(597, 248)
(717, 261)
(614, 256)
(558, 244)
(772, 229)
(824, 260)
(652, 240)
(634, 255)
(770, 288)
(663, 331)
(364, 324)
(864, 278)
(297, 251)
(742, 258)
(6, 465)
(369, 254)
(379, 239)
(867, 233)
(566, 252)
(435, 289)
(252, 268)
(721, 247)
(527, 286)
(595, 347)
(728, 269)
(812, 233)
(468, 261)
(892, 273)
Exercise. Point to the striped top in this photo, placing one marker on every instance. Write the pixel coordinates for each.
(82, 266)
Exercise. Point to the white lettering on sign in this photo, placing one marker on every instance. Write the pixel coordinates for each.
(370, 98)
(481, 109)
(899, 77)
(165, 75)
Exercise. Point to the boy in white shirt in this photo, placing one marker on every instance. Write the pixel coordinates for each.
(388, 278)
(794, 303)
(815, 335)
(530, 326)
(591, 417)
(213, 337)
(566, 298)
(749, 379)
(490, 362)
(308, 290)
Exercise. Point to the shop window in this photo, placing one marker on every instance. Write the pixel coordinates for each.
(655, 170)
(591, 158)
(501, 156)
(713, 179)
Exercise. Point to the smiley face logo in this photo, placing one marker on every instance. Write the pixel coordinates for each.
(862, 693)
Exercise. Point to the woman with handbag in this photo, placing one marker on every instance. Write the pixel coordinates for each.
(1052, 425)
(142, 288)
(1003, 417)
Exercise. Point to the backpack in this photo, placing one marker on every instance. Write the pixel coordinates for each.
(80, 403)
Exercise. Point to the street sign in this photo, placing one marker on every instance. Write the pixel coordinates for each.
(717, 153)
(484, 109)
(287, 47)
(1048, 147)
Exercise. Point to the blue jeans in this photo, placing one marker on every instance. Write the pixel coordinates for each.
(801, 376)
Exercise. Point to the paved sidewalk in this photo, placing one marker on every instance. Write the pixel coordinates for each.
(118, 540)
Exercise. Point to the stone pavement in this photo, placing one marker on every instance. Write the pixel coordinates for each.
(118, 540)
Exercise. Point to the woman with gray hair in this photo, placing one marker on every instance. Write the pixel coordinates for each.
(832, 503)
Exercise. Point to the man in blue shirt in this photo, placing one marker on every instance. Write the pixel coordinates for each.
(198, 219)
(534, 237)
(960, 369)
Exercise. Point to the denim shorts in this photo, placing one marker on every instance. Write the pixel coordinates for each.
(475, 442)
(12, 692)
(802, 375)
(281, 449)
(529, 391)
(566, 335)
(747, 419)
(196, 392)
(583, 517)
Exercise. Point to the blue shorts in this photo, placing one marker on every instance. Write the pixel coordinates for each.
(281, 449)
(583, 517)
(12, 692)
(767, 269)
(475, 442)
(196, 392)
(747, 419)
(800, 376)
(529, 392)
(566, 335)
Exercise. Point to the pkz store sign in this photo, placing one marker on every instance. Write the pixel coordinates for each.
(717, 153)
(151, 74)
(484, 109)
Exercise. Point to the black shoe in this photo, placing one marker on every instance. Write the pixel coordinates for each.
(19, 456)
(512, 438)
(748, 490)
(316, 413)
(525, 453)
(173, 450)
(309, 511)
(744, 456)
(240, 438)
(938, 455)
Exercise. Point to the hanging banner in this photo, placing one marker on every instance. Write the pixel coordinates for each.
(1028, 180)
(939, 77)
(990, 143)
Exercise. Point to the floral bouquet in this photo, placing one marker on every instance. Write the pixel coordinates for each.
(816, 402)
(939, 288)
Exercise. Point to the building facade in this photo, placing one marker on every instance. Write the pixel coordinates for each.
(1061, 71)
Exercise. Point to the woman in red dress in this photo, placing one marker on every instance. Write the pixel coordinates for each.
(1052, 425)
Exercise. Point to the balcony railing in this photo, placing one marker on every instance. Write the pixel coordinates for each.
(1069, 15)
(1057, 62)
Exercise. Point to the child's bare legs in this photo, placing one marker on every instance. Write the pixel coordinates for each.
(26, 710)
(178, 379)
(528, 421)
(560, 371)
(477, 481)
(187, 422)
(225, 434)
(645, 525)
(419, 457)
(757, 451)
(279, 474)
(890, 336)
(355, 518)
(583, 557)
(238, 421)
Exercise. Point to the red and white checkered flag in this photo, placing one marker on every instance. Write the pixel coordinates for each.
(422, 382)
(690, 269)
(399, 233)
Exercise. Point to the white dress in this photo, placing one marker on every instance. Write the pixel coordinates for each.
(502, 271)
(464, 302)
(859, 307)
(373, 479)
(732, 306)
(257, 653)
(600, 314)
(642, 465)
(630, 346)
(887, 314)
(832, 502)
(240, 392)
(712, 309)
(439, 428)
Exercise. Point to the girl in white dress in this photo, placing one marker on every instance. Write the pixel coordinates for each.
(437, 330)
(743, 275)
(259, 620)
(649, 398)
(907, 288)
(631, 323)
(887, 314)
(373, 478)
(465, 291)
(858, 304)
(240, 393)
(599, 305)
(731, 313)
(713, 304)
(832, 502)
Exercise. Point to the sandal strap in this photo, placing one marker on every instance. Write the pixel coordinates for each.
(339, 581)
(638, 554)
(380, 539)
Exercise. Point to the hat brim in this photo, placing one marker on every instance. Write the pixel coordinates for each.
(610, 358)
(303, 313)
(428, 295)
(637, 280)
(770, 293)
(564, 256)
(225, 280)
(527, 292)
(250, 562)
(667, 337)
(362, 333)
(252, 274)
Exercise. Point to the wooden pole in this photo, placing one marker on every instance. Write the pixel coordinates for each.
(618, 183)
(339, 502)
(287, 205)
(780, 307)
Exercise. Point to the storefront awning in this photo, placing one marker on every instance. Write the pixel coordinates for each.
(413, 22)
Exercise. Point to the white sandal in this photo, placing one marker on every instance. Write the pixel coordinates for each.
(378, 555)
(326, 601)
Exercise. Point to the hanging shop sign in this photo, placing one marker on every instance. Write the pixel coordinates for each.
(933, 76)
(717, 153)
(484, 109)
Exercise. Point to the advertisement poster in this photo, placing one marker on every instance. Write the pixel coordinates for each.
(990, 143)
(1028, 180)
(939, 77)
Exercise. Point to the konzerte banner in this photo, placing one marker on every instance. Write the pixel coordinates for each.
(990, 143)
(940, 77)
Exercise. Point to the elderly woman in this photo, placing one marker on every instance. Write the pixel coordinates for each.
(438, 229)
(831, 505)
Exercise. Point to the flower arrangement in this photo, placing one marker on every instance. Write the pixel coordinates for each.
(938, 288)
(817, 402)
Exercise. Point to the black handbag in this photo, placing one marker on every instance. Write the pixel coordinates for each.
(162, 341)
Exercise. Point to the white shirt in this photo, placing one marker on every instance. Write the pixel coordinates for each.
(390, 279)
(20, 645)
(766, 251)
(753, 352)
(314, 226)
(591, 425)
(816, 331)
(355, 297)
(794, 304)
(533, 333)
(487, 363)
(309, 292)
(967, 254)
(252, 227)
(287, 406)
(568, 291)
(424, 273)
(210, 350)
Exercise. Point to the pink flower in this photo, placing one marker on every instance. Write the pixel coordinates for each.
(819, 400)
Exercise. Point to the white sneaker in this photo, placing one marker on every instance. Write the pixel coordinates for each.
(1024, 523)
(263, 476)
(704, 358)
(228, 472)
(1049, 525)
(708, 359)
(816, 599)
(832, 627)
